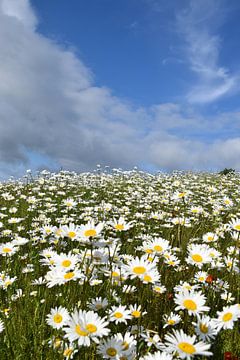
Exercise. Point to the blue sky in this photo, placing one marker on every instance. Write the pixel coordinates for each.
(134, 47)
(135, 82)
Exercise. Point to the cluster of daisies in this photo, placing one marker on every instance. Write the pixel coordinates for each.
(139, 266)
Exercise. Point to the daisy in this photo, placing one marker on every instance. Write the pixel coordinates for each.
(69, 203)
(151, 338)
(119, 314)
(84, 326)
(121, 224)
(198, 255)
(193, 302)
(8, 249)
(160, 289)
(69, 351)
(205, 328)
(111, 348)
(58, 276)
(171, 320)
(226, 317)
(136, 311)
(234, 224)
(65, 261)
(98, 304)
(159, 245)
(139, 267)
(128, 343)
(57, 317)
(209, 237)
(185, 346)
(90, 230)
(71, 231)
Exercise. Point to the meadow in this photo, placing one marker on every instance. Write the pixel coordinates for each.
(120, 265)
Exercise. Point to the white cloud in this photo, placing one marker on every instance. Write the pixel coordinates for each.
(21, 10)
(198, 24)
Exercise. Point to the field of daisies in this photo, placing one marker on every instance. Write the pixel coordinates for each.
(120, 265)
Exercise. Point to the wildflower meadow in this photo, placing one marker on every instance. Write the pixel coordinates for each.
(122, 265)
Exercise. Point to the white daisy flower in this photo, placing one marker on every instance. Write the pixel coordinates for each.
(193, 302)
(185, 346)
(57, 317)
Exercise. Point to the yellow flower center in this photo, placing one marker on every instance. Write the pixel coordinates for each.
(136, 313)
(69, 275)
(180, 195)
(111, 351)
(68, 352)
(197, 258)
(57, 318)
(158, 248)
(139, 270)
(80, 331)
(118, 315)
(227, 317)
(201, 278)
(147, 278)
(119, 226)
(91, 328)
(90, 232)
(187, 348)
(237, 227)
(7, 250)
(66, 263)
(148, 251)
(210, 238)
(115, 274)
(72, 234)
(190, 304)
(203, 328)
(125, 345)
(171, 322)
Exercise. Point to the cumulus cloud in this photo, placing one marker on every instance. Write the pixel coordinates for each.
(198, 24)
(52, 114)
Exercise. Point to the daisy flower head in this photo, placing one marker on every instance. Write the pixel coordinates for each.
(139, 267)
(119, 314)
(70, 231)
(111, 348)
(151, 338)
(185, 346)
(69, 351)
(210, 237)
(65, 261)
(69, 203)
(136, 311)
(57, 317)
(171, 320)
(8, 249)
(198, 255)
(85, 326)
(234, 224)
(206, 328)
(128, 343)
(192, 301)
(159, 245)
(90, 230)
(121, 224)
(98, 304)
(227, 317)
